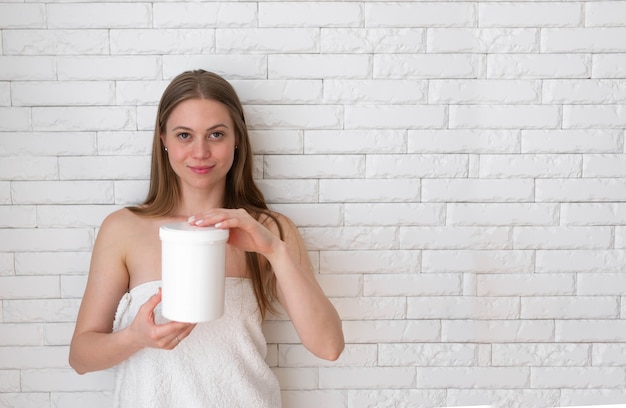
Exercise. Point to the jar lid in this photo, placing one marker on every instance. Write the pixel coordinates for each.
(183, 232)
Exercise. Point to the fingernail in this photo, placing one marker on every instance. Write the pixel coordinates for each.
(198, 222)
(191, 219)
(218, 225)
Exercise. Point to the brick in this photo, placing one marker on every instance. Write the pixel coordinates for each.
(483, 91)
(540, 355)
(583, 40)
(289, 191)
(394, 117)
(47, 144)
(73, 216)
(313, 166)
(98, 15)
(5, 192)
(420, 15)
(62, 93)
(564, 307)
(512, 397)
(483, 40)
(416, 166)
(18, 68)
(312, 215)
(56, 42)
(83, 118)
(371, 308)
(375, 91)
(595, 330)
(594, 116)
(535, 166)
(455, 237)
(562, 237)
(504, 116)
(463, 141)
(494, 331)
(25, 399)
(18, 216)
(314, 14)
(15, 119)
(354, 141)
(29, 287)
(129, 192)
(577, 377)
(608, 66)
(480, 261)
(429, 355)
(93, 399)
(104, 167)
(51, 263)
(9, 381)
(612, 165)
(22, 15)
(319, 66)
(114, 67)
(267, 40)
(280, 92)
(20, 335)
(204, 15)
(164, 41)
(572, 141)
(586, 396)
(580, 190)
(31, 168)
(421, 66)
(58, 334)
(599, 284)
(33, 357)
(131, 143)
(502, 214)
(389, 214)
(40, 310)
(73, 287)
(55, 380)
(369, 261)
(40, 239)
(366, 377)
(369, 190)
(313, 398)
(5, 94)
(354, 237)
(7, 264)
(415, 284)
(477, 190)
(605, 14)
(277, 141)
(62, 192)
(601, 91)
(296, 378)
(526, 284)
(397, 398)
(580, 261)
(462, 307)
(473, 377)
(372, 40)
(608, 355)
(230, 66)
(528, 14)
(294, 116)
(534, 66)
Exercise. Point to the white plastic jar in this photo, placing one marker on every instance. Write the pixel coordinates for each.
(193, 272)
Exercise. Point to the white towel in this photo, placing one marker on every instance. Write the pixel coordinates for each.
(220, 364)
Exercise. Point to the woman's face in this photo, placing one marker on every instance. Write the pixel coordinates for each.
(200, 140)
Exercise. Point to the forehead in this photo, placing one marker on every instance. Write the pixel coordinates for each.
(200, 113)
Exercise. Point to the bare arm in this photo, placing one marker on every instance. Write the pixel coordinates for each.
(313, 315)
(94, 345)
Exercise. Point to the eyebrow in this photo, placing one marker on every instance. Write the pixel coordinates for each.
(219, 125)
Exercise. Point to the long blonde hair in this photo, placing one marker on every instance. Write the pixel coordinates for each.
(241, 191)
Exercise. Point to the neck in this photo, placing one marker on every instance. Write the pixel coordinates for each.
(196, 202)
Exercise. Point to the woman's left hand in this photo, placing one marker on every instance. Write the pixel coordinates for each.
(245, 232)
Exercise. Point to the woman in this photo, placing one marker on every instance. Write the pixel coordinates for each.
(201, 172)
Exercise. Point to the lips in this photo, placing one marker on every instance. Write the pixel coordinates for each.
(200, 169)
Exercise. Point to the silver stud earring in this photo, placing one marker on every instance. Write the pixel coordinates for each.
(236, 146)
(166, 149)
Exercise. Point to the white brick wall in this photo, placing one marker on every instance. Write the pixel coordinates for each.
(458, 170)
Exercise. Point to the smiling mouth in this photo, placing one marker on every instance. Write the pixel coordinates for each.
(200, 169)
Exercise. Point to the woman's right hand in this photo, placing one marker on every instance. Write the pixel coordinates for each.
(146, 333)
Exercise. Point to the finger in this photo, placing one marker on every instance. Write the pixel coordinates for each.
(151, 304)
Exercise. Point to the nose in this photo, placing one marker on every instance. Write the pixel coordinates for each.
(201, 148)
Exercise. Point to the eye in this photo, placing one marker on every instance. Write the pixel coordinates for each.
(216, 135)
(183, 136)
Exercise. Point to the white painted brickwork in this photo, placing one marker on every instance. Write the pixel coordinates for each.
(457, 169)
